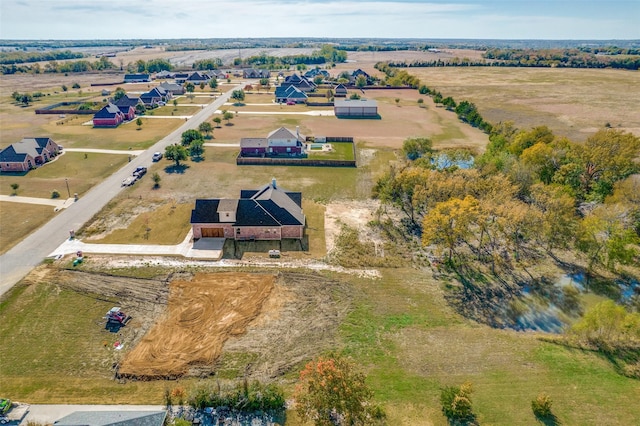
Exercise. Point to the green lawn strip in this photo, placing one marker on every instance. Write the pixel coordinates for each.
(55, 331)
(181, 109)
(19, 220)
(586, 389)
(81, 173)
(75, 134)
(340, 151)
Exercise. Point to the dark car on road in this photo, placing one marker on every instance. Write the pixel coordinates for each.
(139, 172)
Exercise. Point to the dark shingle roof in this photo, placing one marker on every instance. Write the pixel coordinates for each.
(113, 418)
(109, 111)
(267, 206)
(9, 155)
(205, 211)
(126, 100)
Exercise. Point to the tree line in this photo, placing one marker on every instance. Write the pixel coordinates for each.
(544, 58)
(59, 67)
(20, 57)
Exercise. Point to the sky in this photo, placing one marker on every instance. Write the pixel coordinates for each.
(476, 19)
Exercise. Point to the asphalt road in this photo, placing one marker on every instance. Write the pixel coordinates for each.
(21, 259)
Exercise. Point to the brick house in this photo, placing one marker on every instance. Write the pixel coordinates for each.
(110, 116)
(280, 142)
(268, 213)
(27, 154)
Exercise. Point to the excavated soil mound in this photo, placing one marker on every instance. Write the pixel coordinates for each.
(202, 314)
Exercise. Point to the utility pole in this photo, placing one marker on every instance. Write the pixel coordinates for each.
(67, 182)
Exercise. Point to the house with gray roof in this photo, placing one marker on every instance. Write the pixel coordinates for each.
(27, 154)
(267, 213)
(286, 94)
(113, 418)
(173, 88)
(137, 78)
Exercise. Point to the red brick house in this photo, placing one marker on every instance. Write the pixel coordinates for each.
(109, 116)
(27, 154)
(268, 213)
(280, 142)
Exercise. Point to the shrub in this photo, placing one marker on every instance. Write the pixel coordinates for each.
(55, 194)
(456, 403)
(541, 405)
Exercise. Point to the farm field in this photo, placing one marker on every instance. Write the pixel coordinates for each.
(562, 99)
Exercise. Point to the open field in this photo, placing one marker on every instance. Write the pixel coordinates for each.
(572, 102)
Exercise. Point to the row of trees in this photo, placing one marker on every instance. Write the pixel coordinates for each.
(20, 57)
(153, 65)
(59, 67)
(592, 61)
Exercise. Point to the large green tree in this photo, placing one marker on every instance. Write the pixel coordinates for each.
(176, 153)
(189, 136)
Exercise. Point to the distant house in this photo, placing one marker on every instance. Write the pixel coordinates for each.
(355, 108)
(173, 88)
(359, 72)
(154, 96)
(181, 77)
(137, 78)
(164, 74)
(113, 418)
(340, 91)
(315, 72)
(198, 77)
(285, 94)
(27, 154)
(268, 213)
(127, 100)
(300, 82)
(280, 142)
(255, 73)
(109, 116)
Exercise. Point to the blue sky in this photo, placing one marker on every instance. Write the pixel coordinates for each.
(501, 19)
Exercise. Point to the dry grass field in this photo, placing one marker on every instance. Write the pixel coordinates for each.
(18, 220)
(572, 102)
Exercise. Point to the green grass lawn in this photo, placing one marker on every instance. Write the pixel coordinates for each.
(412, 344)
(80, 172)
(181, 109)
(340, 151)
(18, 220)
(74, 134)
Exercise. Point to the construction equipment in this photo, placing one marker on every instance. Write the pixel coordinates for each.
(115, 315)
(5, 405)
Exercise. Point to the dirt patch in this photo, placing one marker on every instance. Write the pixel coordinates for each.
(355, 214)
(202, 314)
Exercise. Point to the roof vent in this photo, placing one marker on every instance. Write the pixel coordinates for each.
(273, 183)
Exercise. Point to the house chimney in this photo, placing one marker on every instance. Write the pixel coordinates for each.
(273, 183)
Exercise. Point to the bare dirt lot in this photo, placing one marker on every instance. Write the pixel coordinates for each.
(227, 323)
(203, 313)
